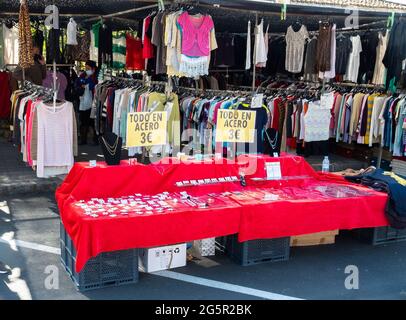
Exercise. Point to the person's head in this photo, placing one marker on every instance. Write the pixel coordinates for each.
(36, 51)
(91, 68)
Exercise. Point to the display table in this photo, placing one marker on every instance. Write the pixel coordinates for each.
(107, 208)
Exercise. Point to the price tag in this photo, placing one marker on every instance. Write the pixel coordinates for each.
(273, 170)
(257, 101)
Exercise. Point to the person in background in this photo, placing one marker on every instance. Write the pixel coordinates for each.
(36, 73)
(84, 88)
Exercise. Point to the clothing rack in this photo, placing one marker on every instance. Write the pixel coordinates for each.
(27, 85)
(61, 65)
(197, 90)
(355, 85)
(4, 67)
(228, 70)
(314, 32)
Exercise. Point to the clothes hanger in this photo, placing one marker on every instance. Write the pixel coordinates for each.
(340, 36)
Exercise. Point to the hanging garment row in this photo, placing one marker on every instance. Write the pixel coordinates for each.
(178, 43)
(291, 116)
(363, 56)
(114, 99)
(120, 49)
(45, 132)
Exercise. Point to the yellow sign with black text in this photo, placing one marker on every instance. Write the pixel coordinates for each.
(145, 129)
(235, 126)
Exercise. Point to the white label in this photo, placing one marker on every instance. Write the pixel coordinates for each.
(273, 170)
(271, 197)
(257, 101)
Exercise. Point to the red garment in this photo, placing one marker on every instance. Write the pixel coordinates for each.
(110, 106)
(252, 220)
(275, 118)
(134, 55)
(148, 49)
(5, 94)
(28, 134)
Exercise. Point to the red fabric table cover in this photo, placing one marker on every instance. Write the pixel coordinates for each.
(253, 220)
(91, 237)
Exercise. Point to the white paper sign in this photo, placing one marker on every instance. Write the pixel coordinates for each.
(257, 101)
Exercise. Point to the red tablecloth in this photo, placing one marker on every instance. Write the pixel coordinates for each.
(255, 220)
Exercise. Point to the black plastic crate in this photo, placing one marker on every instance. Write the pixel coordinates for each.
(381, 235)
(106, 270)
(257, 251)
(221, 244)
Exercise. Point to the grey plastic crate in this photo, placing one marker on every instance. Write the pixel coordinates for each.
(257, 251)
(106, 270)
(381, 235)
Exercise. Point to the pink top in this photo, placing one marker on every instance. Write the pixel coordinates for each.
(195, 34)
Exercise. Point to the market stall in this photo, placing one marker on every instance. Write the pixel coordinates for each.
(213, 102)
(135, 206)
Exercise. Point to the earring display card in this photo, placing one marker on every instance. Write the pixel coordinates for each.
(273, 170)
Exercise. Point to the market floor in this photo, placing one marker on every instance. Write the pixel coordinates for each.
(29, 243)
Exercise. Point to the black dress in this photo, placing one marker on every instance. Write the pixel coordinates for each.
(396, 50)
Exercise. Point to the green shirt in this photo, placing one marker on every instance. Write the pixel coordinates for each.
(96, 30)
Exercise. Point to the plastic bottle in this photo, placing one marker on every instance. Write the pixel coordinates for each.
(326, 165)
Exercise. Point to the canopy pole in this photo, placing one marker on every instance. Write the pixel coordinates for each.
(254, 70)
(36, 14)
(152, 6)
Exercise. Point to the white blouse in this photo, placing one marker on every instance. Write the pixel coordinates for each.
(354, 61)
(380, 70)
(72, 33)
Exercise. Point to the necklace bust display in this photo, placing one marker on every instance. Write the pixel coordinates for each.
(111, 145)
(272, 141)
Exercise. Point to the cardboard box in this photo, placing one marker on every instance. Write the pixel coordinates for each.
(314, 239)
(162, 258)
(205, 247)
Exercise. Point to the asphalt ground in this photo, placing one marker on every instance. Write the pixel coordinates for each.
(29, 221)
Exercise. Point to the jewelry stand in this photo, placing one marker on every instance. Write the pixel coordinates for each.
(111, 145)
(272, 142)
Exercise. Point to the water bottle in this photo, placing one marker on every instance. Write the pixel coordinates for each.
(326, 165)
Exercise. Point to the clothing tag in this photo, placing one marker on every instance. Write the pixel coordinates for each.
(273, 170)
(270, 197)
(92, 163)
(275, 155)
(257, 101)
(168, 109)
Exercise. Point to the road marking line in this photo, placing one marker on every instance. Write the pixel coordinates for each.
(31, 245)
(172, 275)
(222, 285)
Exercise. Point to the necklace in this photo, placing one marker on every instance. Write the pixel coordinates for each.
(111, 149)
(273, 143)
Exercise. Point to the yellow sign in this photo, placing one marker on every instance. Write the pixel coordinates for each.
(235, 126)
(145, 129)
